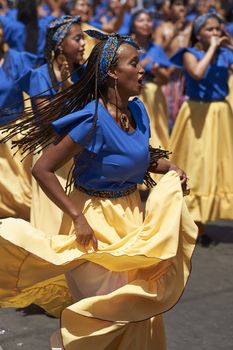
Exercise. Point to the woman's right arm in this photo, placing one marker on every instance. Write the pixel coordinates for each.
(54, 157)
(197, 68)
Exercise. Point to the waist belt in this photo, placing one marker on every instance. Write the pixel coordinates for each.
(107, 194)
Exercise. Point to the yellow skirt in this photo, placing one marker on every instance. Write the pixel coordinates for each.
(156, 106)
(15, 183)
(230, 95)
(44, 214)
(202, 145)
(139, 271)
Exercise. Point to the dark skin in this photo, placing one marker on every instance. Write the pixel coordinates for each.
(128, 74)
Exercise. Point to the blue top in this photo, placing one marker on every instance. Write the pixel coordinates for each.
(123, 30)
(229, 28)
(113, 159)
(16, 64)
(15, 34)
(38, 82)
(214, 84)
(156, 54)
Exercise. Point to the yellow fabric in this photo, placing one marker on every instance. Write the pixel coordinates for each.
(202, 145)
(230, 95)
(15, 183)
(156, 106)
(89, 42)
(45, 215)
(152, 255)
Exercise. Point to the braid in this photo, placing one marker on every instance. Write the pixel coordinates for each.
(35, 125)
(50, 56)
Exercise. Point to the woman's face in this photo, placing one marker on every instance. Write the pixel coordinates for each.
(178, 10)
(211, 28)
(73, 45)
(114, 6)
(129, 71)
(142, 25)
(82, 8)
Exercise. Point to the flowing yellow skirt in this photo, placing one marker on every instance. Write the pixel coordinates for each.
(202, 145)
(139, 271)
(44, 214)
(156, 106)
(230, 95)
(15, 183)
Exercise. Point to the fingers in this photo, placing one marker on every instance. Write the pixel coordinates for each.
(88, 241)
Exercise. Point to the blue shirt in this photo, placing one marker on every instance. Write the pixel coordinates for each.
(156, 54)
(123, 30)
(38, 82)
(113, 159)
(214, 84)
(16, 64)
(15, 34)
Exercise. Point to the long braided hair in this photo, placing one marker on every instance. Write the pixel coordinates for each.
(35, 125)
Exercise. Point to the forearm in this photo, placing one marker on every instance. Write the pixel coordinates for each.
(198, 71)
(162, 166)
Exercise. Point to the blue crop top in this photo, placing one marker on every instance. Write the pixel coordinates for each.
(113, 159)
(214, 84)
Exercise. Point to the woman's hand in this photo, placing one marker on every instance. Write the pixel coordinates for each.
(183, 178)
(84, 233)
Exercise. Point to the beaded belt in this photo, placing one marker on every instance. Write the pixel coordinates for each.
(107, 194)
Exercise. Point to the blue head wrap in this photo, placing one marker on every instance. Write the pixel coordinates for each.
(60, 27)
(110, 48)
(200, 21)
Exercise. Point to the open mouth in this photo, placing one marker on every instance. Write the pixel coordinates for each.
(141, 81)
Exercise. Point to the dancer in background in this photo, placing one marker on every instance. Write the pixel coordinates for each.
(15, 181)
(155, 62)
(202, 139)
(64, 53)
(111, 254)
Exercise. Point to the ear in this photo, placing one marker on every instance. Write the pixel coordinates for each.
(112, 73)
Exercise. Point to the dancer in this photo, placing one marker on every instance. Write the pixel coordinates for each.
(202, 140)
(110, 254)
(64, 54)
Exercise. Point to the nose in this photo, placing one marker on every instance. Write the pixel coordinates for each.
(82, 42)
(141, 69)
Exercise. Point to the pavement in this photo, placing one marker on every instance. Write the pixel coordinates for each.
(201, 320)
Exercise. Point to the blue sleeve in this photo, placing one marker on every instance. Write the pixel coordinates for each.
(157, 55)
(79, 126)
(39, 84)
(230, 57)
(22, 62)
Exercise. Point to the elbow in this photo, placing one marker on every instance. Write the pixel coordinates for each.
(197, 75)
(38, 172)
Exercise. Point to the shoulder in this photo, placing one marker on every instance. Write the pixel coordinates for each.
(83, 117)
(177, 58)
(139, 110)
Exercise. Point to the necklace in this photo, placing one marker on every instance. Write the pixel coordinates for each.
(124, 120)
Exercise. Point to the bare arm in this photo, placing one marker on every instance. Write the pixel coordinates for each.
(197, 68)
(54, 157)
(115, 23)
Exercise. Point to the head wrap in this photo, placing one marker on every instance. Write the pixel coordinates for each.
(60, 27)
(110, 48)
(200, 21)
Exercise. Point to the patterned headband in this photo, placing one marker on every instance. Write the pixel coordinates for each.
(110, 48)
(200, 21)
(60, 27)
